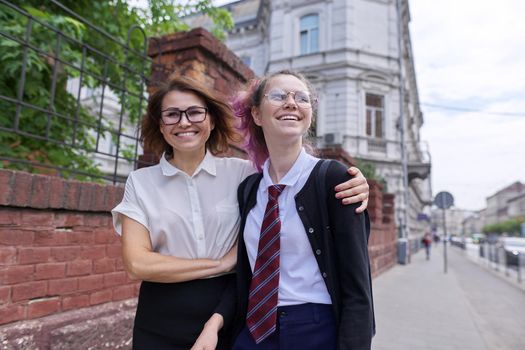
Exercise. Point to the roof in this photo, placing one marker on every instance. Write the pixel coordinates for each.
(517, 187)
(244, 13)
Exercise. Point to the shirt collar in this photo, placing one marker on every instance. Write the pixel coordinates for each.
(292, 176)
(207, 164)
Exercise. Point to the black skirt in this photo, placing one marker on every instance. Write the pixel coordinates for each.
(172, 315)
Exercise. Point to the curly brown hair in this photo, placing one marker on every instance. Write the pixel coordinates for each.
(220, 112)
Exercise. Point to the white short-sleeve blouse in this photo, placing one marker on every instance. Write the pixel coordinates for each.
(186, 216)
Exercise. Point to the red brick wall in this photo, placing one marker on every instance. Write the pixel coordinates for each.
(382, 245)
(58, 249)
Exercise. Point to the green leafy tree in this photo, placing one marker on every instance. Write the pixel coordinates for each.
(511, 227)
(66, 137)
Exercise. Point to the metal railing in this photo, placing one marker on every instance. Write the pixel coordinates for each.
(90, 110)
(502, 260)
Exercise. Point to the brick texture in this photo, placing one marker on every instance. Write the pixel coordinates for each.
(55, 256)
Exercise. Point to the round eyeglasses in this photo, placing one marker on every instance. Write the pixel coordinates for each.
(194, 114)
(278, 97)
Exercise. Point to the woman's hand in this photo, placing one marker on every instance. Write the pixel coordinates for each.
(208, 338)
(228, 262)
(354, 190)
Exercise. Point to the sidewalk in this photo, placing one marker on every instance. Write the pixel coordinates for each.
(419, 307)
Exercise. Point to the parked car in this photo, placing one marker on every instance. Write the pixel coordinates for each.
(479, 237)
(513, 246)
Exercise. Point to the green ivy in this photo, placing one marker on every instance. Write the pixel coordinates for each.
(71, 132)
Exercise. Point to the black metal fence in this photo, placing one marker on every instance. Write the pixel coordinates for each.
(71, 95)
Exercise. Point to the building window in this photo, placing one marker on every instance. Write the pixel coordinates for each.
(375, 112)
(309, 34)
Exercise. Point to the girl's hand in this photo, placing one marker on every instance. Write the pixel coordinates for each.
(209, 338)
(354, 190)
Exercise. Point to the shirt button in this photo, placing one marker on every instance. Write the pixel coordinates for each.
(325, 274)
(301, 208)
(311, 230)
(318, 252)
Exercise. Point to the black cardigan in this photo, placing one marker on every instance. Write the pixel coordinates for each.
(340, 250)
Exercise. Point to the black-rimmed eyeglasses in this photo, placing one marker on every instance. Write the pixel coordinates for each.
(194, 114)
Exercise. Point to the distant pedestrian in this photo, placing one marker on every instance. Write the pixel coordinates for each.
(427, 242)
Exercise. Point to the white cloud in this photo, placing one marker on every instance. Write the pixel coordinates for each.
(469, 54)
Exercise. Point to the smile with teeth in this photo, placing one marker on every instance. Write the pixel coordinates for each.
(186, 133)
(288, 117)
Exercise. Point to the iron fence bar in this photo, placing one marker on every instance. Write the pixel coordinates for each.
(59, 115)
(94, 75)
(22, 83)
(101, 31)
(121, 115)
(102, 102)
(53, 85)
(77, 111)
(141, 93)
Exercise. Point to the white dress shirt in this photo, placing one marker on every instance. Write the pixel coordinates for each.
(186, 216)
(300, 279)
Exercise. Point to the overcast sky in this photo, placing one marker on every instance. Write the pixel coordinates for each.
(471, 54)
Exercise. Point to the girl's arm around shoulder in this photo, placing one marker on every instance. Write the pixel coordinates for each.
(142, 263)
(350, 234)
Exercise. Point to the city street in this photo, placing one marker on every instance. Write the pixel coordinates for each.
(419, 307)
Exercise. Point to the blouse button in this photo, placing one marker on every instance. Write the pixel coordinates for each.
(311, 230)
(301, 208)
(318, 252)
(325, 274)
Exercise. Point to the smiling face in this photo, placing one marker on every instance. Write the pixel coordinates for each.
(288, 121)
(186, 137)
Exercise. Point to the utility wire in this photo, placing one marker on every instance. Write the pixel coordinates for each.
(472, 110)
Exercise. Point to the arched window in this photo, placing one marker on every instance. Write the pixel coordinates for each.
(309, 34)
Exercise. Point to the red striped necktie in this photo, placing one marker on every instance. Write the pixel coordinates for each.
(264, 288)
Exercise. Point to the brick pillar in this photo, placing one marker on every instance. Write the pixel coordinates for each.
(201, 56)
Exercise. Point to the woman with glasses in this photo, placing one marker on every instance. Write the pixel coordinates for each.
(303, 278)
(179, 220)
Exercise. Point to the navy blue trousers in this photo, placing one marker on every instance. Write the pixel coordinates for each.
(299, 327)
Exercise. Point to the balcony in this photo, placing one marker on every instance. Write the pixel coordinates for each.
(418, 170)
